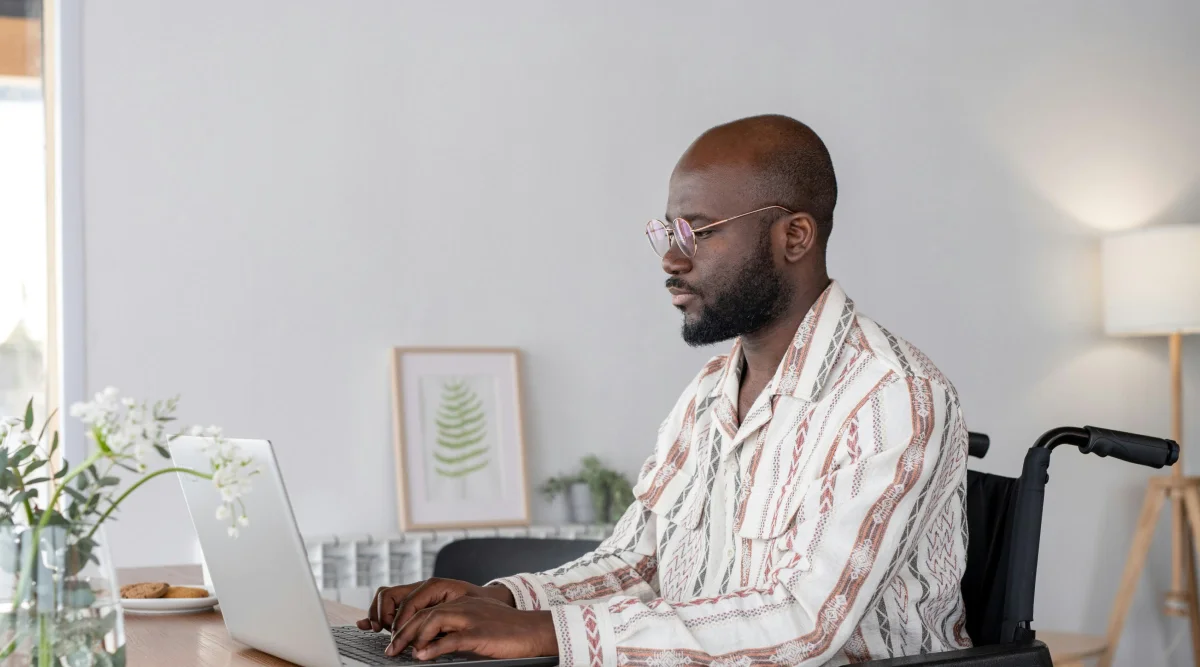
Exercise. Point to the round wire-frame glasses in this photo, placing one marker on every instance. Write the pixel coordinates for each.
(680, 232)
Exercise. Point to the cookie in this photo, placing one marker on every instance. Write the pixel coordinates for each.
(185, 592)
(144, 591)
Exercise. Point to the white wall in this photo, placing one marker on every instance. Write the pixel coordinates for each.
(277, 192)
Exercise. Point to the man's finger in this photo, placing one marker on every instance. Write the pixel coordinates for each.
(371, 622)
(440, 620)
(384, 606)
(403, 636)
(432, 592)
(452, 642)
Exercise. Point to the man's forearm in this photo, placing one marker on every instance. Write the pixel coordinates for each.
(502, 593)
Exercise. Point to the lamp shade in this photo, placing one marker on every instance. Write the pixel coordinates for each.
(1152, 281)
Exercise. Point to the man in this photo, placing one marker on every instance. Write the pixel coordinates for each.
(805, 500)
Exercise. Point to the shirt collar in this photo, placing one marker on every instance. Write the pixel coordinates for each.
(814, 350)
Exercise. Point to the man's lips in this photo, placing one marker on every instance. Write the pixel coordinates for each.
(680, 296)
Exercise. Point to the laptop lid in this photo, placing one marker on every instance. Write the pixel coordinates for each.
(262, 578)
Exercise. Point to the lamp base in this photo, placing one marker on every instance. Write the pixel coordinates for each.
(1184, 494)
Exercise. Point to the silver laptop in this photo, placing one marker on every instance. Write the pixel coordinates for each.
(263, 579)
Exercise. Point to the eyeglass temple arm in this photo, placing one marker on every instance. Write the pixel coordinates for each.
(740, 215)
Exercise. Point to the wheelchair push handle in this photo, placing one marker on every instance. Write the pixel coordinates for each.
(1031, 491)
(978, 444)
(1132, 447)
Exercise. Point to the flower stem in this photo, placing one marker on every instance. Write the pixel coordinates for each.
(27, 563)
(45, 648)
(25, 500)
(140, 482)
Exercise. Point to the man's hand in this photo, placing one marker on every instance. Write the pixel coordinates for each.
(392, 607)
(479, 625)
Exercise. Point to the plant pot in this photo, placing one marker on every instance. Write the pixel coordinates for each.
(580, 506)
(59, 603)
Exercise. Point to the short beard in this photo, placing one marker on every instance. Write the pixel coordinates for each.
(752, 298)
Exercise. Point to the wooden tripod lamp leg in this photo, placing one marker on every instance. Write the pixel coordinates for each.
(1191, 499)
(1176, 602)
(1142, 537)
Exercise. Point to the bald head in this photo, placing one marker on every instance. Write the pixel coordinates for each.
(788, 163)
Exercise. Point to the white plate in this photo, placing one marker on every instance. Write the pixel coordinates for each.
(171, 605)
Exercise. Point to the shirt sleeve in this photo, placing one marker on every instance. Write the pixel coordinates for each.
(856, 525)
(624, 564)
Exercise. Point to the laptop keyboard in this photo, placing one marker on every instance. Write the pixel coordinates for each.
(367, 646)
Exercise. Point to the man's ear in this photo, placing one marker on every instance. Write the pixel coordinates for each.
(800, 237)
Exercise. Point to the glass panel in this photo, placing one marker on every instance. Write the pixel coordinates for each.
(23, 216)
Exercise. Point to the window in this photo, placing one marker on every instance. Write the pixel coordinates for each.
(26, 315)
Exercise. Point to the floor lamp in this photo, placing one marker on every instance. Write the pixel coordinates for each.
(1152, 288)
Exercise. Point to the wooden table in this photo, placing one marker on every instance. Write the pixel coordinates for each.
(196, 639)
(201, 639)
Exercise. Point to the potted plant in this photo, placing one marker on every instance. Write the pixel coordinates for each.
(58, 596)
(595, 493)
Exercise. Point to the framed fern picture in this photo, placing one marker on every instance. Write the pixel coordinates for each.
(459, 438)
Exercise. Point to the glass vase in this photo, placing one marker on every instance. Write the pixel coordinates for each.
(59, 601)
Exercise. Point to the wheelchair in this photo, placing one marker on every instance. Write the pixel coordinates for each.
(1004, 528)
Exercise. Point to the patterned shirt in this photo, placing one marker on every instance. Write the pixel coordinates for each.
(828, 527)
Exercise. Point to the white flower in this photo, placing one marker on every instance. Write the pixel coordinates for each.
(206, 432)
(129, 429)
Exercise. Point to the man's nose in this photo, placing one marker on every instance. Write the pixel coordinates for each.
(675, 262)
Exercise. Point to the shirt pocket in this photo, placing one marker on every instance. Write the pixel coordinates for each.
(672, 491)
(772, 505)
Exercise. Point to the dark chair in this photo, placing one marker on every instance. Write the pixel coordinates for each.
(1004, 526)
(478, 560)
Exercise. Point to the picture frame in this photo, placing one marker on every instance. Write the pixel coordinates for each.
(459, 438)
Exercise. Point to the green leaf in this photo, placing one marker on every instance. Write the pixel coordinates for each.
(54, 444)
(127, 467)
(37, 463)
(93, 472)
(57, 519)
(81, 482)
(91, 504)
(29, 415)
(166, 453)
(21, 454)
(22, 496)
(38, 480)
(46, 425)
(3, 458)
(65, 468)
(109, 481)
(79, 497)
